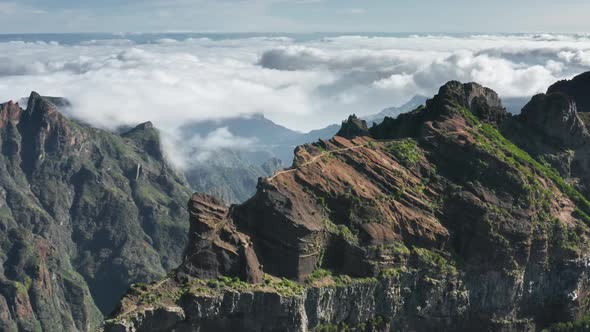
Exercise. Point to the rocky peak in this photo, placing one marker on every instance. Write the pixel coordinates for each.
(145, 126)
(451, 103)
(148, 136)
(556, 116)
(9, 112)
(577, 88)
(77, 230)
(47, 132)
(482, 101)
(353, 127)
(216, 248)
(139, 130)
(39, 105)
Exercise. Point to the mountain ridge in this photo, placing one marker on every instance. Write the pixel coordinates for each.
(235, 183)
(84, 212)
(435, 220)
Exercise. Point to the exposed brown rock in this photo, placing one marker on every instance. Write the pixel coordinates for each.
(9, 112)
(448, 225)
(215, 247)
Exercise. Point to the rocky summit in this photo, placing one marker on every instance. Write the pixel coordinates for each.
(83, 213)
(456, 216)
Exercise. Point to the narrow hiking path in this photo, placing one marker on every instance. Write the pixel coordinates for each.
(316, 158)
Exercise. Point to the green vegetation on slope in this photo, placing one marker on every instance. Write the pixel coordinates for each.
(490, 139)
(406, 151)
(84, 213)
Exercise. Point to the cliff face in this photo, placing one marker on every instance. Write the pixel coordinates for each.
(576, 88)
(553, 128)
(215, 247)
(431, 221)
(83, 213)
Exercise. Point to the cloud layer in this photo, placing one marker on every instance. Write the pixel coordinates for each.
(303, 82)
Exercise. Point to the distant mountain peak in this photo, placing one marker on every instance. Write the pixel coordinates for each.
(410, 105)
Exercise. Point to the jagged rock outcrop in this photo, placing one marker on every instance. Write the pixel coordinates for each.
(556, 116)
(576, 88)
(433, 221)
(83, 213)
(215, 247)
(481, 101)
(353, 127)
(553, 127)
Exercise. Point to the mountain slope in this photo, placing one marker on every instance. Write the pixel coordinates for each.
(553, 127)
(83, 214)
(232, 175)
(432, 221)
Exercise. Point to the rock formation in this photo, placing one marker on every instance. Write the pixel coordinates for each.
(353, 127)
(216, 248)
(434, 220)
(556, 116)
(553, 128)
(83, 213)
(576, 88)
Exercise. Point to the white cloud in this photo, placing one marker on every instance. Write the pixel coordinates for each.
(576, 57)
(304, 84)
(198, 149)
(170, 83)
(396, 82)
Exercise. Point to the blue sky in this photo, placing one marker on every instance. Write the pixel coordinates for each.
(294, 16)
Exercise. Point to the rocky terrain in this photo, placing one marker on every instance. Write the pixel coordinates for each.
(83, 214)
(455, 216)
(232, 175)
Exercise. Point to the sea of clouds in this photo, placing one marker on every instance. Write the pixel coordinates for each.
(302, 83)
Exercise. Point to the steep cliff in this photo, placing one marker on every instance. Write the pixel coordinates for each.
(431, 221)
(553, 128)
(83, 213)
